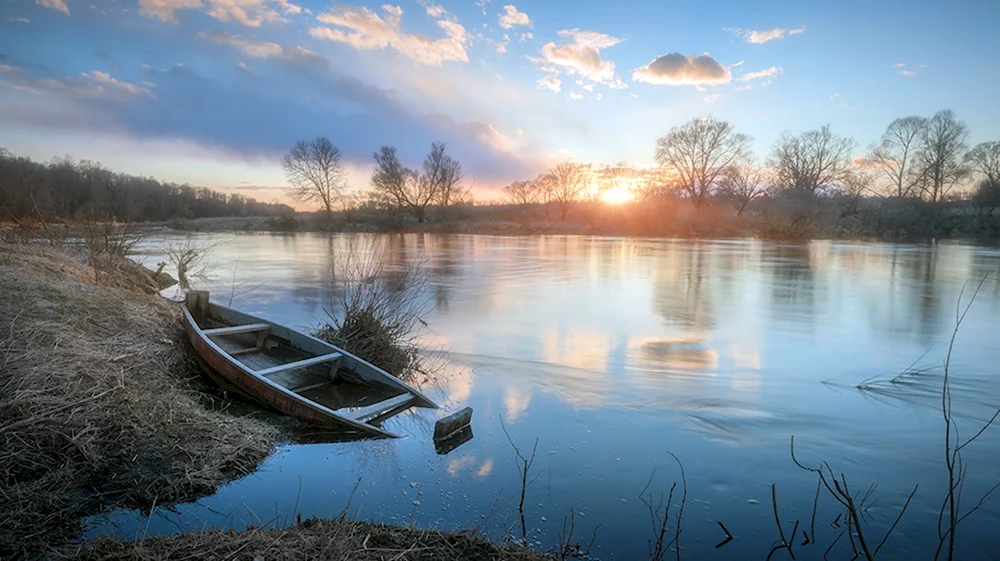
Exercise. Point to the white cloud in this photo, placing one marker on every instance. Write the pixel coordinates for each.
(251, 13)
(511, 17)
(527, 36)
(58, 5)
(675, 69)
(899, 65)
(599, 97)
(261, 49)
(834, 96)
(454, 30)
(434, 10)
(842, 105)
(363, 29)
(94, 84)
(759, 74)
(550, 82)
(575, 95)
(761, 37)
(18, 20)
(482, 6)
(502, 48)
(735, 64)
(907, 73)
(583, 55)
(712, 98)
(242, 65)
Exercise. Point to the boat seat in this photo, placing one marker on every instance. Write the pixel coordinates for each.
(248, 328)
(305, 363)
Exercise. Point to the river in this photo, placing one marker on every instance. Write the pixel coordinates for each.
(613, 353)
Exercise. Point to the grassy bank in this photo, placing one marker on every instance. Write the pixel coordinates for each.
(102, 403)
(103, 406)
(787, 218)
(311, 539)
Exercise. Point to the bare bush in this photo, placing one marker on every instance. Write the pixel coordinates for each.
(379, 305)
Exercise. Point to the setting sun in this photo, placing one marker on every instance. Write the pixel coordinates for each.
(617, 196)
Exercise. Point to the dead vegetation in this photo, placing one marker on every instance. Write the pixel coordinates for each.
(378, 307)
(312, 539)
(101, 404)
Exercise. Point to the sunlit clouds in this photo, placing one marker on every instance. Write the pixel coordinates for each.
(511, 17)
(93, 84)
(675, 69)
(759, 37)
(582, 55)
(251, 13)
(57, 5)
(363, 29)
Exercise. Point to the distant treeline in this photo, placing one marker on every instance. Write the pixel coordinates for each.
(64, 189)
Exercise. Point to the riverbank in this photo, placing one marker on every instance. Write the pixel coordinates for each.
(776, 218)
(104, 407)
(310, 539)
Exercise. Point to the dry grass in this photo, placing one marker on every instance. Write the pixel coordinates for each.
(100, 402)
(312, 539)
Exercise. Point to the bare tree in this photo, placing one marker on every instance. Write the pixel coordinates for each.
(895, 152)
(810, 161)
(985, 159)
(744, 181)
(522, 192)
(618, 176)
(941, 154)
(699, 152)
(404, 188)
(564, 185)
(444, 175)
(316, 173)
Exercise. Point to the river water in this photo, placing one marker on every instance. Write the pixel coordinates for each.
(613, 353)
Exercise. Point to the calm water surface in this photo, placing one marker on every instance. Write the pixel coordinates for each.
(612, 352)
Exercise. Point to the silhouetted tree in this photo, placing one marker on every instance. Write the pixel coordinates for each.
(699, 152)
(940, 159)
(443, 174)
(985, 159)
(316, 173)
(522, 192)
(895, 152)
(564, 185)
(402, 186)
(744, 181)
(810, 161)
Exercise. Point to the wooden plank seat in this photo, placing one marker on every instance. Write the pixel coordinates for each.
(305, 363)
(248, 328)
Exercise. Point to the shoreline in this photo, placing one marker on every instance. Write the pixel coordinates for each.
(130, 422)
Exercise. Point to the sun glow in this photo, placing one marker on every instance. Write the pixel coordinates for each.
(617, 196)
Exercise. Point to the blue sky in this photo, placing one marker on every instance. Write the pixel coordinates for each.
(213, 92)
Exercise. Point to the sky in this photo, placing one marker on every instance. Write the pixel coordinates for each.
(214, 92)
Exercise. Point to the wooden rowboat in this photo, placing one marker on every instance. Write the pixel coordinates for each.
(294, 373)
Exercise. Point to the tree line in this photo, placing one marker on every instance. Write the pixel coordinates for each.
(706, 159)
(64, 189)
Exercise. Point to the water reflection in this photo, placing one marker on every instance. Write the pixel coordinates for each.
(611, 351)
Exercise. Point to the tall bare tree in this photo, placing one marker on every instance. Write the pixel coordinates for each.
(894, 155)
(744, 181)
(985, 159)
(941, 155)
(397, 185)
(522, 192)
(699, 152)
(316, 173)
(564, 185)
(810, 161)
(443, 174)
